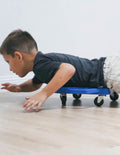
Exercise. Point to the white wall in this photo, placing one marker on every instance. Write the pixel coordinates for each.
(88, 28)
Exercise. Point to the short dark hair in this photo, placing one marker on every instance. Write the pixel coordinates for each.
(18, 40)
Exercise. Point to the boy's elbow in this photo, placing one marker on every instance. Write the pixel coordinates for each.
(69, 69)
(72, 70)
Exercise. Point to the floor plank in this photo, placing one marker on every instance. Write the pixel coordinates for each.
(79, 128)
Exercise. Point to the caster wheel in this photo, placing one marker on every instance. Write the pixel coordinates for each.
(76, 96)
(97, 102)
(114, 96)
(63, 98)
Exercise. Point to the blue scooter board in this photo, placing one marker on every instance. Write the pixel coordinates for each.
(77, 91)
(82, 90)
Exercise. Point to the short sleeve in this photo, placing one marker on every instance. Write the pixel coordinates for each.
(45, 67)
(35, 80)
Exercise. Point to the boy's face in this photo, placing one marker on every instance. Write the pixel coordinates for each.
(16, 63)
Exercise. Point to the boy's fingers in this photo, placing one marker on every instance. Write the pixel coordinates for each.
(38, 107)
(33, 105)
(27, 98)
(24, 105)
(3, 87)
(9, 86)
(5, 84)
(28, 102)
(30, 105)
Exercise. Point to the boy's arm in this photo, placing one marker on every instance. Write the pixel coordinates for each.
(27, 86)
(64, 73)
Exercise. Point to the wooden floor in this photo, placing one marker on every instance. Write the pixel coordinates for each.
(80, 128)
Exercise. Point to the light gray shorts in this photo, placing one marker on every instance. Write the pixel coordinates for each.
(112, 73)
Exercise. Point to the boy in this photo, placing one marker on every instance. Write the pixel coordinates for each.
(20, 51)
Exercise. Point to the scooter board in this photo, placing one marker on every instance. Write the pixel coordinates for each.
(83, 90)
(78, 91)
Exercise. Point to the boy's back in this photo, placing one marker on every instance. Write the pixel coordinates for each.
(89, 73)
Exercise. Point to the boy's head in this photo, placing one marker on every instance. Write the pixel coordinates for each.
(18, 50)
(18, 40)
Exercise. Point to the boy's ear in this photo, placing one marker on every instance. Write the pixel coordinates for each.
(18, 55)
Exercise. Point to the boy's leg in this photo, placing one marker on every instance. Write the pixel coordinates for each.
(112, 73)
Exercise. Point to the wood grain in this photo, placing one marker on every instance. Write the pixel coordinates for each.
(79, 128)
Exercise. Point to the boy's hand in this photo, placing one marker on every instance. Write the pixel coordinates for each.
(34, 101)
(11, 87)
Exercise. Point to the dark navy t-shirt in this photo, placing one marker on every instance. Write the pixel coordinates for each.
(89, 73)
